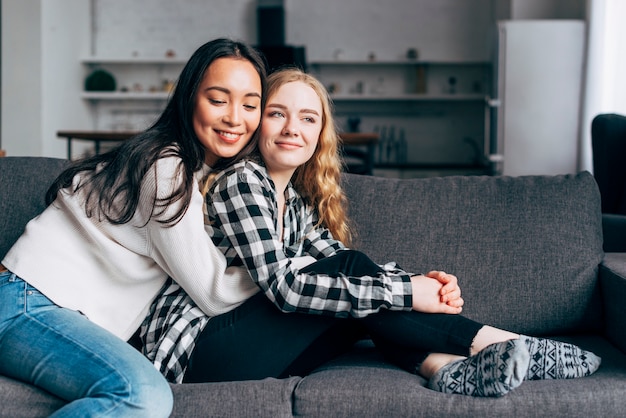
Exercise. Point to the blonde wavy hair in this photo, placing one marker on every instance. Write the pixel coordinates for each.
(318, 180)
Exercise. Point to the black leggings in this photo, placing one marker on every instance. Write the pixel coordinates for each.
(256, 340)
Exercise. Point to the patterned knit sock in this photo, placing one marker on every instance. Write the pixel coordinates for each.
(551, 359)
(493, 372)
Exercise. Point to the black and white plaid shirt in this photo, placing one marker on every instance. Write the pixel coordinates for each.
(242, 213)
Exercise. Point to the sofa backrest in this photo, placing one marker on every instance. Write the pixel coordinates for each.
(525, 249)
(23, 185)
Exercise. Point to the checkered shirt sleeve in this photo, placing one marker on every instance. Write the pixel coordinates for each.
(242, 214)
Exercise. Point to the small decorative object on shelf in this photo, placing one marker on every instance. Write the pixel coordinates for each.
(100, 80)
(379, 87)
(451, 85)
(354, 123)
(168, 86)
(411, 54)
(420, 80)
(358, 88)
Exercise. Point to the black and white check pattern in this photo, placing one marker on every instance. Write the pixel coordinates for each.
(242, 212)
(169, 332)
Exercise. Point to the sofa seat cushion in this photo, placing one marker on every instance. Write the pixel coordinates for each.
(18, 400)
(259, 398)
(360, 384)
(538, 238)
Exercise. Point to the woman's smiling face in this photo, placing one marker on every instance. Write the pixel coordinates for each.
(227, 107)
(291, 127)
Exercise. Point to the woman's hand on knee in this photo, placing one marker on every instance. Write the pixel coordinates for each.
(450, 291)
(427, 296)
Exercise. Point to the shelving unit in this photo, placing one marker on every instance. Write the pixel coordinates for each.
(434, 126)
(433, 117)
(143, 87)
(405, 79)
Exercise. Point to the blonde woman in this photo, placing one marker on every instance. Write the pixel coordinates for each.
(281, 217)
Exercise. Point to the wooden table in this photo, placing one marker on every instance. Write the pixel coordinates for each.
(97, 137)
(359, 138)
(352, 144)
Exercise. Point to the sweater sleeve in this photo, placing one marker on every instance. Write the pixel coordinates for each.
(185, 251)
(242, 212)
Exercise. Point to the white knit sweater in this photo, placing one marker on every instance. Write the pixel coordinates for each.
(111, 273)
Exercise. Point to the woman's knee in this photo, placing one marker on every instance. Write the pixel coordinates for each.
(154, 399)
(141, 392)
(348, 262)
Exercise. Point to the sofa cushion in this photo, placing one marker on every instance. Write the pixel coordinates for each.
(361, 384)
(20, 400)
(536, 237)
(258, 398)
(253, 398)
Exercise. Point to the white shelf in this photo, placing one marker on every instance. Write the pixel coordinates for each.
(119, 95)
(134, 60)
(410, 97)
(398, 62)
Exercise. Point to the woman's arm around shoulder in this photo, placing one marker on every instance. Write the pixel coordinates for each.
(185, 251)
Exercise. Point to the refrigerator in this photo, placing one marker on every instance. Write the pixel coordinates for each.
(539, 80)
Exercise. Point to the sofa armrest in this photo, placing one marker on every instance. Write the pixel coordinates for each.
(614, 231)
(613, 285)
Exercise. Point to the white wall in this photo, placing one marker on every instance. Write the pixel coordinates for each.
(148, 28)
(21, 81)
(42, 41)
(65, 38)
(441, 30)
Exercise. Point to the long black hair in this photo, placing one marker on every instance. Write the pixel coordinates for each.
(113, 186)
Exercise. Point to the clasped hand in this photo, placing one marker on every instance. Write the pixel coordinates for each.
(436, 292)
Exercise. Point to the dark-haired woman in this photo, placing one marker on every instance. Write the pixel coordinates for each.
(78, 283)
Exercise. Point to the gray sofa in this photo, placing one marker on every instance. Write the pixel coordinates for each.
(528, 252)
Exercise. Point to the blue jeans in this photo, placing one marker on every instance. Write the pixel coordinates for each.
(62, 352)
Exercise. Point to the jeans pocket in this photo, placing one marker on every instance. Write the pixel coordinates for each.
(6, 277)
(34, 299)
(11, 302)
